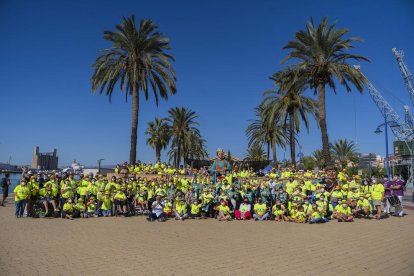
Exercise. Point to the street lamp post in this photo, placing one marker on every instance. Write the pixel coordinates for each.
(99, 164)
(387, 158)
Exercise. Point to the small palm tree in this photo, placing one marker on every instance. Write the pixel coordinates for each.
(260, 131)
(255, 153)
(322, 55)
(289, 105)
(183, 123)
(319, 158)
(138, 62)
(344, 151)
(159, 136)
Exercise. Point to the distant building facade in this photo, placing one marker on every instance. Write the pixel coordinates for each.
(371, 160)
(44, 160)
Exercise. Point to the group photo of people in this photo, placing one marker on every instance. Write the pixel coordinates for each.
(163, 193)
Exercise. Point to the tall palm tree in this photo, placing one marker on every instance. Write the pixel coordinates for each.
(259, 131)
(344, 151)
(322, 55)
(159, 136)
(138, 62)
(182, 122)
(255, 153)
(289, 105)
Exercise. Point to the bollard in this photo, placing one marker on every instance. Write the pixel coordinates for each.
(412, 199)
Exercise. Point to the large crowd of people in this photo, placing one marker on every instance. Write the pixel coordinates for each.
(162, 192)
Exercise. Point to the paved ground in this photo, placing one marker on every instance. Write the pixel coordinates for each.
(126, 246)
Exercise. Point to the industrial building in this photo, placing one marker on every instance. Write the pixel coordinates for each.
(44, 160)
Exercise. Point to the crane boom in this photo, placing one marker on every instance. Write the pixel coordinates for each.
(399, 128)
(408, 117)
(408, 77)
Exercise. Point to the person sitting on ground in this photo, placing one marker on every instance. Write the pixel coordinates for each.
(316, 216)
(195, 209)
(157, 210)
(80, 209)
(180, 209)
(91, 208)
(343, 212)
(260, 210)
(300, 215)
(244, 210)
(68, 209)
(223, 211)
(278, 212)
(363, 207)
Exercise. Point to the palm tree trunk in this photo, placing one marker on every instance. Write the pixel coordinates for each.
(268, 152)
(322, 124)
(274, 151)
(178, 154)
(158, 153)
(134, 126)
(292, 140)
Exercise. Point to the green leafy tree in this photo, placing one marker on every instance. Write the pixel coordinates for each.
(344, 151)
(159, 136)
(255, 153)
(322, 58)
(261, 131)
(289, 105)
(138, 62)
(183, 126)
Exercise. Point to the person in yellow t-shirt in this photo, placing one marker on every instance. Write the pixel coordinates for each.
(21, 194)
(279, 212)
(343, 212)
(300, 215)
(195, 211)
(377, 194)
(260, 210)
(180, 209)
(363, 207)
(68, 209)
(223, 211)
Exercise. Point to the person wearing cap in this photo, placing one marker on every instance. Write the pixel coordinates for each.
(207, 202)
(106, 204)
(223, 211)
(91, 208)
(377, 197)
(120, 199)
(48, 195)
(33, 185)
(68, 209)
(316, 216)
(180, 209)
(343, 212)
(21, 194)
(83, 185)
(363, 207)
(80, 209)
(398, 187)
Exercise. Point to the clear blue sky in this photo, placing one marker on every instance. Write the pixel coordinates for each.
(225, 52)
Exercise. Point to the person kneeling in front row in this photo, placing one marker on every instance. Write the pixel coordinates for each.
(157, 210)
